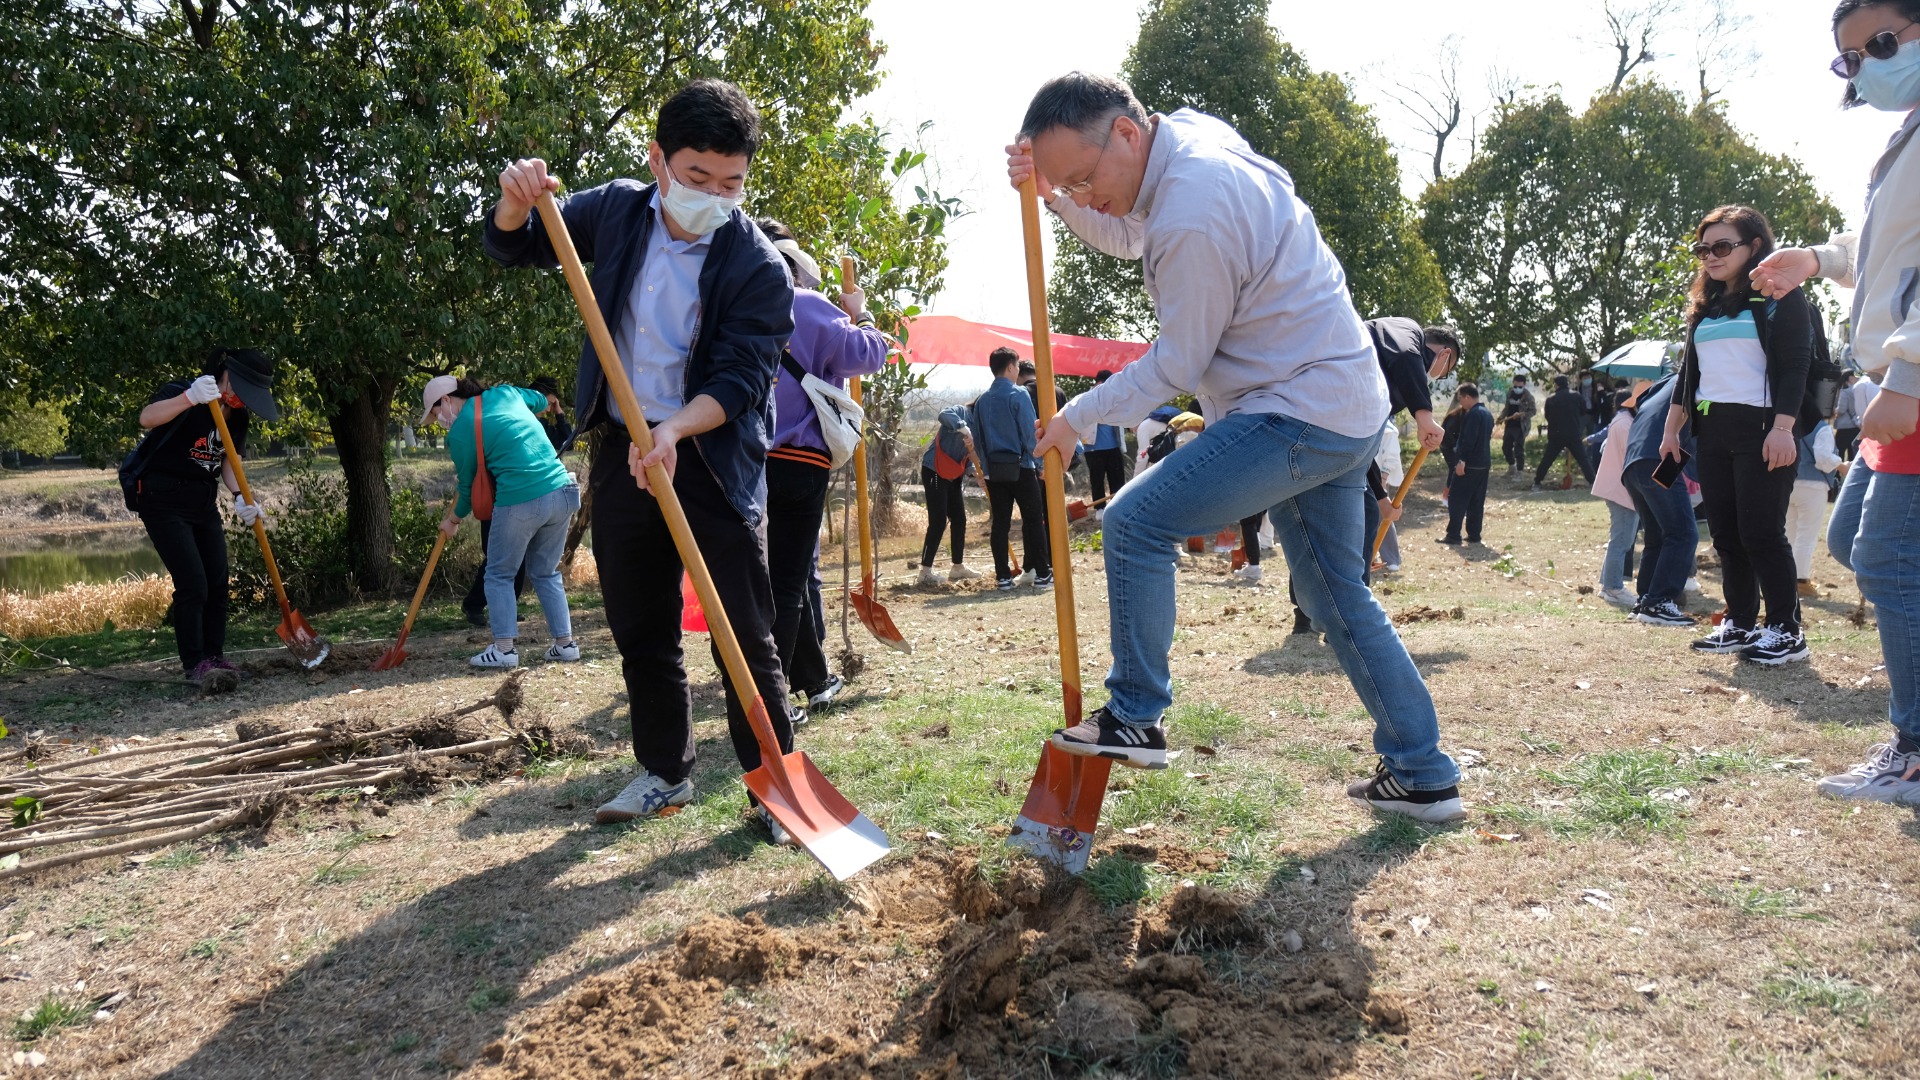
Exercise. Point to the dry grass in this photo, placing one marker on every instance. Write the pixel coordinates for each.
(585, 571)
(135, 602)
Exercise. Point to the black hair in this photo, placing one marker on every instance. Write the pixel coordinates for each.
(216, 365)
(777, 230)
(1467, 389)
(1101, 376)
(1519, 376)
(1000, 359)
(1909, 8)
(1028, 367)
(710, 116)
(1442, 336)
(467, 388)
(1560, 382)
(1082, 102)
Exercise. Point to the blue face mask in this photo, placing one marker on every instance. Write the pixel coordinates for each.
(1893, 84)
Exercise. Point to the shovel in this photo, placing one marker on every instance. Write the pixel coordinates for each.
(1399, 496)
(306, 646)
(397, 655)
(1056, 822)
(818, 817)
(872, 613)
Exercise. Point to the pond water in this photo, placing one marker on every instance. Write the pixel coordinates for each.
(50, 562)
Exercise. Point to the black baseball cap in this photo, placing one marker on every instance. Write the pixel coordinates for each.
(251, 373)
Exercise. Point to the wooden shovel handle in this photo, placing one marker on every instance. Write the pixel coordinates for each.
(850, 279)
(246, 490)
(1399, 497)
(433, 560)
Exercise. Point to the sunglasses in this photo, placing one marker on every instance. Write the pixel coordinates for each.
(1880, 46)
(1719, 249)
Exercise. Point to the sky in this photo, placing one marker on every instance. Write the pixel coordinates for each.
(971, 68)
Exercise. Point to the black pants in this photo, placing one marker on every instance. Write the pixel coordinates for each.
(1467, 504)
(946, 513)
(1746, 505)
(1843, 440)
(640, 582)
(1513, 444)
(476, 599)
(796, 501)
(1106, 471)
(1250, 537)
(1002, 495)
(1556, 442)
(184, 524)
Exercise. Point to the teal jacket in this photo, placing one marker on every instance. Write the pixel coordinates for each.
(522, 461)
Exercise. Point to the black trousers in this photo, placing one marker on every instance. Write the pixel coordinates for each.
(1843, 440)
(1250, 537)
(1556, 442)
(475, 602)
(796, 501)
(946, 513)
(1513, 444)
(1002, 496)
(1467, 504)
(1106, 471)
(1746, 505)
(640, 582)
(183, 522)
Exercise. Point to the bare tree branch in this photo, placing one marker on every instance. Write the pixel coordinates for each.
(1722, 42)
(1632, 28)
(1434, 99)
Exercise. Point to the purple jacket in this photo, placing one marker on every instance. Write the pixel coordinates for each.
(830, 346)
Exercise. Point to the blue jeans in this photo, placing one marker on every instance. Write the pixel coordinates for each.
(1886, 559)
(1312, 484)
(1844, 525)
(534, 532)
(1623, 525)
(1672, 537)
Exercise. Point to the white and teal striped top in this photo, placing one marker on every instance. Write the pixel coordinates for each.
(1733, 367)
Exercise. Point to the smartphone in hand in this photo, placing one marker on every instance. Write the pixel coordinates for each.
(1668, 471)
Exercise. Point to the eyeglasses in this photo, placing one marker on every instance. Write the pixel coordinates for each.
(1070, 190)
(1880, 46)
(1719, 249)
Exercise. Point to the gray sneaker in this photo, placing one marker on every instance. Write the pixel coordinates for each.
(646, 796)
(1888, 775)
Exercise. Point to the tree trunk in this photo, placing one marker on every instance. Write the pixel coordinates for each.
(880, 474)
(360, 433)
(583, 520)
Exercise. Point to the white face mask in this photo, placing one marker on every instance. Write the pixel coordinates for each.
(1893, 84)
(698, 212)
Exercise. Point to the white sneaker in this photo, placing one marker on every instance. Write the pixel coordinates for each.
(1249, 573)
(928, 577)
(563, 654)
(1886, 776)
(1619, 596)
(1025, 578)
(962, 572)
(781, 837)
(646, 796)
(494, 658)
(1693, 584)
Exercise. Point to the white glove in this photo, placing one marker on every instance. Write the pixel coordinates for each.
(853, 302)
(204, 389)
(247, 512)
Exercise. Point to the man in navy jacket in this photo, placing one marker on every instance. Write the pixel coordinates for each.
(1003, 420)
(700, 306)
(1470, 457)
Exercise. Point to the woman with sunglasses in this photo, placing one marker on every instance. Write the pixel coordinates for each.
(1743, 379)
(1879, 43)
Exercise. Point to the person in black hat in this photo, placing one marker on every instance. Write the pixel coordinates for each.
(173, 478)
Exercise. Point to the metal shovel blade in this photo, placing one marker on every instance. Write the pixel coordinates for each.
(818, 817)
(1062, 809)
(306, 646)
(873, 615)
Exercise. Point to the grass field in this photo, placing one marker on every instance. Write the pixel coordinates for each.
(1647, 885)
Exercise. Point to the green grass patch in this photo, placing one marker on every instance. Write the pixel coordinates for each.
(1116, 881)
(489, 996)
(1762, 902)
(1631, 793)
(1205, 724)
(179, 858)
(1804, 992)
(50, 1015)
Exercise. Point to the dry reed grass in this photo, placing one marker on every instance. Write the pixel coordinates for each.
(585, 572)
(135, 602)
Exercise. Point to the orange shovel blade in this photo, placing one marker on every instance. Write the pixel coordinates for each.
(818, 817)
(874, 616)
(1057, 821)
(307, 647)
(1077, 509)
(391, 659)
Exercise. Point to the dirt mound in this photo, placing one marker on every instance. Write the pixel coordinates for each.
(1423, 613)
(933, 970)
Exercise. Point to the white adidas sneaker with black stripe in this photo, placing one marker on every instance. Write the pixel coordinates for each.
(1382, 791)
(1101, 735)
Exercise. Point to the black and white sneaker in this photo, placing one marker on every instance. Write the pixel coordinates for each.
(1726, 638)
(1382, 792)
(1043, 581)
(1005, 584)
(824, 695)
(1777, 645)
(1101, 735)
(1662, 613)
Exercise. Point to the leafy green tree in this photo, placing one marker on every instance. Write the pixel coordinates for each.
(1561, 239)
(308, 177)
(1223, 57)
(32, 427)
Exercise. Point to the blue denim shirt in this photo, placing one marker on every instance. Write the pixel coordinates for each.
(1003, 422)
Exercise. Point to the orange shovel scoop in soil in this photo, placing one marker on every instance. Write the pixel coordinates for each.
(1056, 822)
(1399, 496)
(306, 646)
(397, 655)
(818, 817)
(871, 611)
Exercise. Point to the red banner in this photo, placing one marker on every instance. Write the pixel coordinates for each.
(944, 339)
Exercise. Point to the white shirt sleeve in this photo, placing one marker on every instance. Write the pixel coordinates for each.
(1121, 237)
(1837, 257)
(1826, 457)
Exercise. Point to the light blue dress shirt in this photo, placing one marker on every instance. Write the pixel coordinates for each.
(660, 320)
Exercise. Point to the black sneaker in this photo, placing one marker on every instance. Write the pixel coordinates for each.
(1662, 613)
(1302, 624)
(1727, 638)
(1382, 792)
(823, 695)
(475, 616)
(1100, 735)
(1043, 581)
(1777, 645)
(1004, 584)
